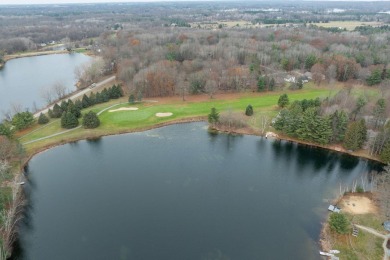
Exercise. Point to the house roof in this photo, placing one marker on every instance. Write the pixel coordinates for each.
(386, 225)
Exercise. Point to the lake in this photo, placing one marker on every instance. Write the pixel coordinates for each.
(23, 80)
(178, 192)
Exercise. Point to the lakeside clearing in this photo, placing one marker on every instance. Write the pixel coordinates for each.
(361, 211)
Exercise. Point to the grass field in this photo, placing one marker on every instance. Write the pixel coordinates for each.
(365, 245)
(127, 121)
(349, 25)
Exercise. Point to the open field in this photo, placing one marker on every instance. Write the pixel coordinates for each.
(349, 25)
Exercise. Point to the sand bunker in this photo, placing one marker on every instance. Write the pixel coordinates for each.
(123, 109)
(358, 205)
(163, 114)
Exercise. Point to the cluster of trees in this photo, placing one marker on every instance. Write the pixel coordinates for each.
(338, 120)
(304, 121)
(19, 121)
(70, 111)
(166, 62)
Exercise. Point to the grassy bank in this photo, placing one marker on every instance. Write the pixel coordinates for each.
(145, 117)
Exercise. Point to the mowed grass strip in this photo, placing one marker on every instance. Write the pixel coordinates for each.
(145, 116)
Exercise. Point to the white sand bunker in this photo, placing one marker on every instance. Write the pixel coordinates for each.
(124, 109)
(163, 114)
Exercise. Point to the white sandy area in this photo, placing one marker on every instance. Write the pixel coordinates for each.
(164, 114)
(124, 109)
(358, 205)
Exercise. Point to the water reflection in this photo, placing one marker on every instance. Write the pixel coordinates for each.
(189, 195)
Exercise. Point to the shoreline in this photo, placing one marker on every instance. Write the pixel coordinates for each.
(246, 131)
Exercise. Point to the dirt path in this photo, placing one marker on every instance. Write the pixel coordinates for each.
(376, 233)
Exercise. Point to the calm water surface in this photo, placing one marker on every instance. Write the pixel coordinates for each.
(180, 193)
(23, 80)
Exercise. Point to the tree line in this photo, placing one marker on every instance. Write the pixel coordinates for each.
(321, 122)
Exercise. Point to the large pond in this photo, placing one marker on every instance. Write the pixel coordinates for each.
(178, 192)
(23, 80)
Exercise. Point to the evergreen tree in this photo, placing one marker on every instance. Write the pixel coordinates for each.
(261, 84)
(74, 110)
(283, 100)
(57, 111)
(105, 95)
(99, 98)
(385, 154)
(281, 120)
(43, 119)
(310, 61)
(374, 78)
(64, 105)
(78, 104)
(85, 101)
(339, 122)
(69, 120)
(92, 99)
(22, 120)
(360, 103)
(249, 110)
(131, 99)
(355, 135)
(50, 113)
(271, 86)
(213, 117)
(338, 222)
(379, 112)
(115, 92)
(91, 120)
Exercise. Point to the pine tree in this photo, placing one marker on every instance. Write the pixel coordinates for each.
(374, 78)
(57, 111)
(356, 135)
(271, 86)
(91, 120)
(131, 99)
(261, 84)
(74, 110)
(379, 112)
(85, 101)
(68, 120)
(78, 104)
(43, 119)
(92, 99)
(105, 95)
(64, 105)
(249, 110)
(283, 100)
(213, 117)
(385, 154)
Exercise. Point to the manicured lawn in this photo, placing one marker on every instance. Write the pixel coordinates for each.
(145, 116)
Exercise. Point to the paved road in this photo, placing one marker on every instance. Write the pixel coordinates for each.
(77, 95)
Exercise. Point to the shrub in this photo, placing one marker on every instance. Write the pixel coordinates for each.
(131, 99)
(91, 120)
(43, 119)
(249, 110)
(338, 222)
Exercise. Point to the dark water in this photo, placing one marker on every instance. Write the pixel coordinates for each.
(180, 193)
(22, 80)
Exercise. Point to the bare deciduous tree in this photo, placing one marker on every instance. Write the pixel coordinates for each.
(59, 89)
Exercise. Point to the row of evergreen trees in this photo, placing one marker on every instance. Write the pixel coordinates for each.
(303, 120)
(70, 111)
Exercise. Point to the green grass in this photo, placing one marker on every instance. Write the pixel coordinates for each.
(365, 245)
(126, 121)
